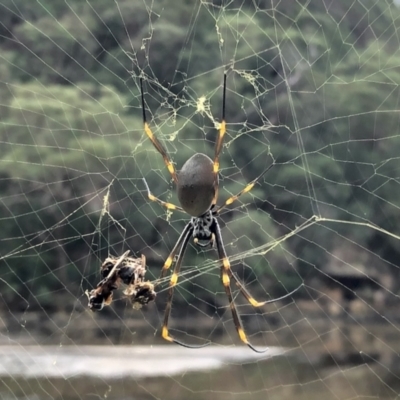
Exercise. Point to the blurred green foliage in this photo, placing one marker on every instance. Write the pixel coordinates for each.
(315, 88)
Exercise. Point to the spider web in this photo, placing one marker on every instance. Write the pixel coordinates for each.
(312, 88)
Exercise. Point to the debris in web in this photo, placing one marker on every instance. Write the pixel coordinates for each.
(129, 271)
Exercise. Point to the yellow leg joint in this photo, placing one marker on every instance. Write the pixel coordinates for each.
(248, 187)
(226, 263)
(165, 334)
(242, 335)
(216, 167)
(148, 131)
(255, 303)
(225, 279)
(174, 279)
(168, 263)
(222, 129)
(171, 168)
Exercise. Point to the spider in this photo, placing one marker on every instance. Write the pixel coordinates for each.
(197, 190)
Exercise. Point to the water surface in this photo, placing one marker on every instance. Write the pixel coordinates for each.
(172, 372)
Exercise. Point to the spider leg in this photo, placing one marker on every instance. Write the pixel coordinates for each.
(251, 299)
(151, 197)
(184, 237)
(226, 272)
(157, 144)
(174, 279)
(219, 142)
(246, 189)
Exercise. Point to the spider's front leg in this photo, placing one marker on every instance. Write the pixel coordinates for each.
(156, 143)
(218, 143)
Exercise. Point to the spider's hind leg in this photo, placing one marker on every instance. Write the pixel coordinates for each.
(226, 275)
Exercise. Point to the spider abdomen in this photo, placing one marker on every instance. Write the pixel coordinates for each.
(196, 185)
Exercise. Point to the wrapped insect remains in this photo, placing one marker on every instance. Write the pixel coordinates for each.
(129, 271)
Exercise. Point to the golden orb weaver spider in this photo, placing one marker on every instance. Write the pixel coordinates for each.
(197, 189)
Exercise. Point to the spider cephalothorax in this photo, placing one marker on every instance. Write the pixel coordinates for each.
(202, 233)
(197, 189)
